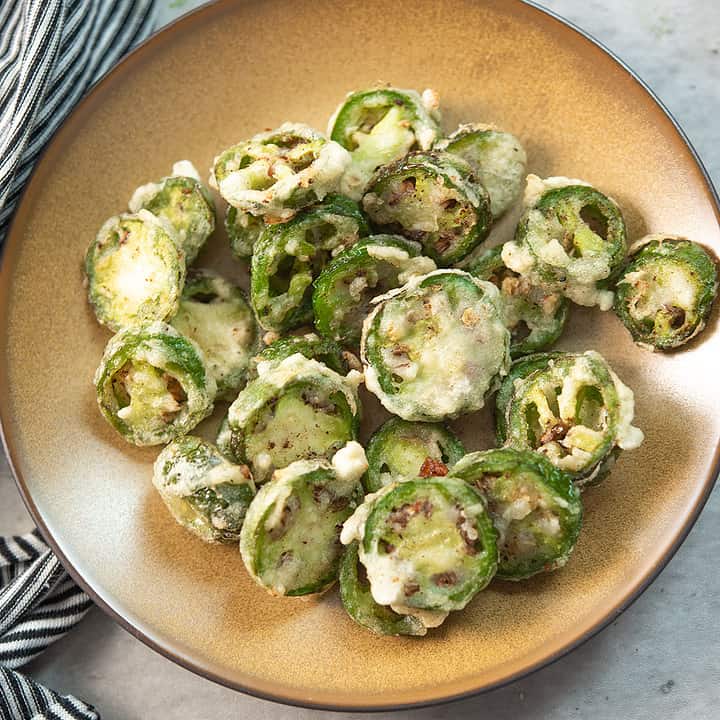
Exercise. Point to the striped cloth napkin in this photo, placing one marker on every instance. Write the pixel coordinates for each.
(51, 53)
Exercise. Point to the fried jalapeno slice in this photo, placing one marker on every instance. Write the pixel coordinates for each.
(497, 159)
(575, 411)
(202, 490)
(153, 384)
(380, 125)
(535, 507)
(290, 540)
(344, 290)
(434, 348)
(534, 315)
(278, 172)
(215, 314)
(571, 239)
(400, 450)
(135, 271)
(243, 231)
(431, 197)
(297, 409)
(184, 202)
(666, 291)
(426, 544)
(362, 608)
(289, 256)
(311, 346)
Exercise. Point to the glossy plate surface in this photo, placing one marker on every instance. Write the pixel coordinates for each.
(220, 75)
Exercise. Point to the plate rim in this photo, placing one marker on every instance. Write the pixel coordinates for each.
(175, 655)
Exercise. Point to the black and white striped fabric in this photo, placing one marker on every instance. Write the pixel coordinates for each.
(51, 53)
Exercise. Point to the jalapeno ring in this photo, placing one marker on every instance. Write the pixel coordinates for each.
(571, 239)
(202, 490)
(310, 346)
(426, 544)
(666, 291)
(398, 450)
(371, 267)
(289, 256)
(380, 125)
(534, 315)
(215, 314)
(575, 410)
(535, 507)
(184, 202)
(442, 329)
(153, 384)
(431, 197)
(289, 541)
(135, 271)
(297, 409)
(497, 159)
(243, 231)
(277, 173)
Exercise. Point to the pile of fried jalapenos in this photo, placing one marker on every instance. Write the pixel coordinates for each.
(376, 235)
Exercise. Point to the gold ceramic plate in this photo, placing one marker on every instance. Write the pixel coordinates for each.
(217, 76)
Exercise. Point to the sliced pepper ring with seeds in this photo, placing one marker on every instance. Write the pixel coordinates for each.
(400, 450)
(243, 231)
(289, 256)
(666, 291)
(380, 125)
(135, 271)
(296, 409)
(534, 315)
(574, 410)
(346, 286)
(571, 239)
(202, 490)
(184, 202)
(497, 159)
(535, 507)
(276, 173)
(426, 544)
(441, 327)
(431, 197)
(215, 314)
(290, 538)
(153, 384)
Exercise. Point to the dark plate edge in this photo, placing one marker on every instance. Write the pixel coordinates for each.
(294, 701)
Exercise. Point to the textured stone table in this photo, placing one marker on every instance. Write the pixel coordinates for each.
(661, 659)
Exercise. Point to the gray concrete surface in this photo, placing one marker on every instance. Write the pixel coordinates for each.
(661, 659)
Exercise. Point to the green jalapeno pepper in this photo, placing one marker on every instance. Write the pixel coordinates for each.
(434, 348)
(426, 544)
(360, 606)
(184, 202)
(344, 289)
(497, 159)
(296, 409)
(214, 313)
(278, 172)
(431, 197)
(574, 409)
(243, 231)
(135, 271)
(380, 125)
(290, 538)
(202, 490)
(665, 293)
(223, 441)
(535, 507)
(400, 450)
(310, 346)
(153, 384)
(534, 315)
(289, 256)
(571, 239)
